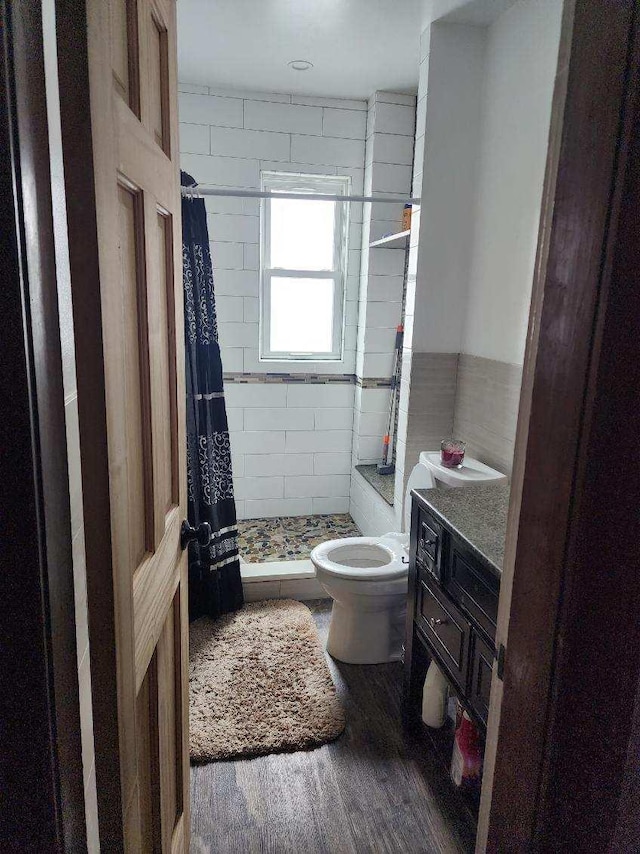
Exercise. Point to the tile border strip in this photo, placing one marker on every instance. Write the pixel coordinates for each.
(309, 379)
(282, 377)
(373, 382)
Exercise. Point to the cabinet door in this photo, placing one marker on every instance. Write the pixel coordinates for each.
(473, 588)
(481, 670)
(429, 544)
(445, 629)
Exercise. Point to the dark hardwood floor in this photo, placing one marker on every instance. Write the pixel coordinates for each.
(377, 788)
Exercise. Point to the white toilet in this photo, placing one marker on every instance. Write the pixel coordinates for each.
(367, 576)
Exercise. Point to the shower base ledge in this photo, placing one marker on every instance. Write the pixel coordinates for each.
(280, 579)
(276, 570)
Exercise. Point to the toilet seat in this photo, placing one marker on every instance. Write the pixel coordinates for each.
(361, 558)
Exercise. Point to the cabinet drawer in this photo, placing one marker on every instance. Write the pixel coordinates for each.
(474, 591)
(445, 628)
(481, 670)
(429, 543)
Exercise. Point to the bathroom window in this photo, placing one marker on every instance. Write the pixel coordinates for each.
(303, 265)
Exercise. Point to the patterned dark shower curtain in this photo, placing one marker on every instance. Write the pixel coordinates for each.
(214, 571)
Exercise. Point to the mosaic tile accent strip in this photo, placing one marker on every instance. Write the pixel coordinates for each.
(374, 382)
(311, 379)
(290, 378)
(290, 537)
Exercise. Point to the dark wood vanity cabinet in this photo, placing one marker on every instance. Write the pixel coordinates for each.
(451, 615)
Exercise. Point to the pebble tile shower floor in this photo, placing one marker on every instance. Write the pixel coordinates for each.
(290, 537)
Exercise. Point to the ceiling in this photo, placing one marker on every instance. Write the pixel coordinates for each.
(480, 13)
(356, 46)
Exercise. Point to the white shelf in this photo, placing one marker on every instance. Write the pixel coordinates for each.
(391, 238)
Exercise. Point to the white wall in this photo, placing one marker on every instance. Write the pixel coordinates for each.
(520, 66)
(452, 116)
(484, 105)
(486, 123)
(448, 122)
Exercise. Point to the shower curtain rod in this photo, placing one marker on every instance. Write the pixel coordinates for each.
(199, 190)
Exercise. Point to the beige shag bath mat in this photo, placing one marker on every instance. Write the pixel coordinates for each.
(259, 683)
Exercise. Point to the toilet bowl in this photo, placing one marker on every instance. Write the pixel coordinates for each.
(367, 578)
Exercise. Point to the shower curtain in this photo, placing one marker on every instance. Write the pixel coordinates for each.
(214, 570)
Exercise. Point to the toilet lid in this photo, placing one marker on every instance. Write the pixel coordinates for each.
(364, 558)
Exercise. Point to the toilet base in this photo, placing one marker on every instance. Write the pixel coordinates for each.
(366, 636)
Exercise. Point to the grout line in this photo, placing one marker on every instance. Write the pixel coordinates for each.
(320, 135)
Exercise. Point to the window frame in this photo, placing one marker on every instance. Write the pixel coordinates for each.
(303, 183)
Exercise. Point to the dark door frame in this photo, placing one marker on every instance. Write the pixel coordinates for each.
(563, 762)
(41, 777)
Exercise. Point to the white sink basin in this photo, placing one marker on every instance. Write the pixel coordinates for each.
(470, 472)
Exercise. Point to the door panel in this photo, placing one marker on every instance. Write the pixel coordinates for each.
(124, 55)
(153, 592)
(135, 373)
(169, 722)
(137, 235)
(158, 81)
(148, 805)
(162, 341)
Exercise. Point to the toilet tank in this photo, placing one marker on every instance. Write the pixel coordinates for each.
(429, 473)
(471, 472)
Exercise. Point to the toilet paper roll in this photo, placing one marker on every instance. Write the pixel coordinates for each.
(434, 697)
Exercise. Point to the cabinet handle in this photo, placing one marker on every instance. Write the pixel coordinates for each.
(434, 623)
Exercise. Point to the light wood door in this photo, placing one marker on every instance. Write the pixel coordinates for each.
(131, 67)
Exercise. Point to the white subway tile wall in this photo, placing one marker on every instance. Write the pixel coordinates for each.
(370, 511)
(291, 447)
(267, 508)
(292, 444)
(333, 396)
(388, 158)
(227, 139)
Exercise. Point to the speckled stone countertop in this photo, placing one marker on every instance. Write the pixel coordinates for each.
(382, 483)
(477, 514)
